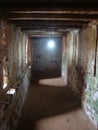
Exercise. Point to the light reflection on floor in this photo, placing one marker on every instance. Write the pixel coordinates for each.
(53, 82)
(59, 81)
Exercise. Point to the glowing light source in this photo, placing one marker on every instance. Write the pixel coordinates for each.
(51, 44)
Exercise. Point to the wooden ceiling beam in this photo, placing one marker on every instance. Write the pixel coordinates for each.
(47, 23)
(49, 19)
(51, 29)
(45, 33)
(53, 11)
(48, 16)
(41, 17)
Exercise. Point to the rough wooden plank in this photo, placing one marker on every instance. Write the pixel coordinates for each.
(51, 16)
(48, 23)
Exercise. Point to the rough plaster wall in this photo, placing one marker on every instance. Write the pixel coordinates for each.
(18, 75)
(64, 60)
(1, 61)
(90, 87)
(16, 53)
(81, 59)
(11, 106)
(72, 60)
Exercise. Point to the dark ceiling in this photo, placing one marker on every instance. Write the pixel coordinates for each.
(89, 1)
(43, 16)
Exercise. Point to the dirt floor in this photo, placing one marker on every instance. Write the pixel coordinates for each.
(52, 108)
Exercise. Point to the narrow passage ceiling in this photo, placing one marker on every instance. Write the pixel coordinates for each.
(41, 18)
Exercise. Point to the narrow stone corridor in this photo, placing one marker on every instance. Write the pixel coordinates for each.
(52, 108)
(48, 65)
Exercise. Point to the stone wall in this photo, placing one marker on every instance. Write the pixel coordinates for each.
(74, 79)
(90, 86)
(17, 73)
(82, 58)
(16, 53)
(12, 104)
(1, 61)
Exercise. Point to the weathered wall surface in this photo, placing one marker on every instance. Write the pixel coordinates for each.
(90, 87)
(1, 61)
(15, 74)
(83, 68)
(12, 104)
(74, 82)
(64, 60)
(16, 53)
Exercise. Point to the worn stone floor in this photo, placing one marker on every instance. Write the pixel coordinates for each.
(52, 108)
